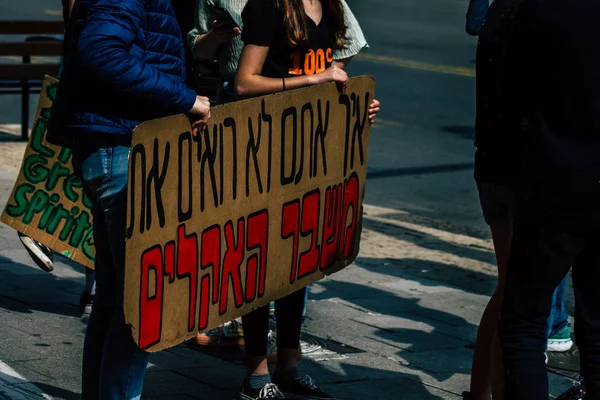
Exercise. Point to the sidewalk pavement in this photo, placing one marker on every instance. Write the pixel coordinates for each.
(400, 323)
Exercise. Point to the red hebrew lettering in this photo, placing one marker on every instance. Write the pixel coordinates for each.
(258, 225)
(151, 298)
(331, 222)
(290, 226)
(187, 267)
(211, 258)
(350, 205)
(231, 266)
(170, 261)
(311, 206)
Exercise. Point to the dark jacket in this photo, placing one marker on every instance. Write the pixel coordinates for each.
(554, 67)
(498, 136)
(124, 64)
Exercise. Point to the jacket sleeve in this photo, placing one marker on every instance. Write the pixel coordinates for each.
(355, 39)
(103, 52)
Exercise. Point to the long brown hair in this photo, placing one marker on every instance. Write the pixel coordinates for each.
(294, 21)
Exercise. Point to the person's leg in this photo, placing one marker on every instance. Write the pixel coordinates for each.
(256, 330)
(90, 281)
(586, 275)
(101, 314)
(558, 327)
(288, 311)
(475, 16)
(538, 262)
(87, 296)
(113, 365)
(305, 302)
(289, 323)
(487, 374)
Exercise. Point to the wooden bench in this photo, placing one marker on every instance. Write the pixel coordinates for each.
(22, 76)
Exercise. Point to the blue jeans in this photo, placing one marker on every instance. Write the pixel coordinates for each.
(475, 16)
(113, 365)
(558, 316)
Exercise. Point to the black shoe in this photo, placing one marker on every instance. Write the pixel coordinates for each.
(85, 304)
(466, 395)
(577, 392)
(269, 391)
(39, 253)
(303, 389)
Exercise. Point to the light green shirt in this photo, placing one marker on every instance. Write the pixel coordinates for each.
(230, 55)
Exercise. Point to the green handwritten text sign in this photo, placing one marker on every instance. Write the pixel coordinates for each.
(47, 202)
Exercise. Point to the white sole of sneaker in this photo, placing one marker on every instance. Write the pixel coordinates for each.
(36, 254)
(561, 346)
(291, 396)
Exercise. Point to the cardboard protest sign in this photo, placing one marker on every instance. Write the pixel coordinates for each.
(47, 202)
(263, 203)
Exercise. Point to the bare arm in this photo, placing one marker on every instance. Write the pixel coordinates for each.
(250, 83)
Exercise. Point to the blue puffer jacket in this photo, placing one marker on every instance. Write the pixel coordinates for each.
(124, 64)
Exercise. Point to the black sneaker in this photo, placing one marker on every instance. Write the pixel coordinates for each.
(303, 389)
(39, 253)
(269, 391)
(85, 304)
(577, 392)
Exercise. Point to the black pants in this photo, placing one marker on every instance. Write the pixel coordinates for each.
(539, 260)
(288, 312)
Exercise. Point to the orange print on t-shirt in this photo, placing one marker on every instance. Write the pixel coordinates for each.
(314, 61)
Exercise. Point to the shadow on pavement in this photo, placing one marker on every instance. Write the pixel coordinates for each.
(29, 289)
(429, 242)
(431, 273)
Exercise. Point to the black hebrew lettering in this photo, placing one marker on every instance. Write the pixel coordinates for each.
(221, 164)
(268, 119)
(208, 156)
(137, 152)
(301, 163)
(288, 112)
(308, 108)
(320, 134)
(158, 178)
(345, 100)
(359, 126)
(252, 152)
(182, 173)
(230, 123)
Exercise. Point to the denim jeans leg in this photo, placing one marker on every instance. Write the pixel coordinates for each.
(558, 315)
(113, 366)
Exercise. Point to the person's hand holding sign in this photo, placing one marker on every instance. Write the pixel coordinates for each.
(199, 114)
(333, 74)
(373, 110)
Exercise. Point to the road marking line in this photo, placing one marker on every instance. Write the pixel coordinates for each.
(14, 386)
(56, 12)
(419, 65)
(388, 122)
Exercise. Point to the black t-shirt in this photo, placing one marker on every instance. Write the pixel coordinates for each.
(263, 26)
